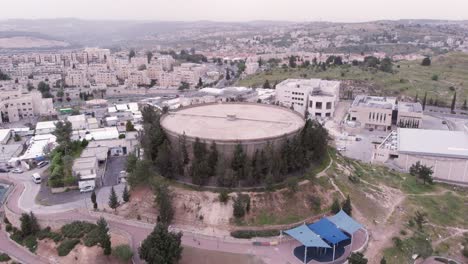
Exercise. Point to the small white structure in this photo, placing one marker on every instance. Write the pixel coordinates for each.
(82, 167)
(45, 127)
(78, 121)
(5, 135)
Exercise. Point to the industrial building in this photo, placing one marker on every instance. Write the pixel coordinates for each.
(380, 113)
(228, 124)
(314, 97)
(445, 151)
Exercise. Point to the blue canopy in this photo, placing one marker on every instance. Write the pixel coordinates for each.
(344, 222)
(307, 237)
(328, 231)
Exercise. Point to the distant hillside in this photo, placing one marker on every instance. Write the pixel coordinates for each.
(448, 73)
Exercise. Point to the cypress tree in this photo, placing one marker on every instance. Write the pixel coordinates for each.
(335, 208)
(113, 200)
(424, 101)
(454, 101)
(125, 194)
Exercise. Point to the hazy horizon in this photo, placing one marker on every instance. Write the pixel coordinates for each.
(237, 11)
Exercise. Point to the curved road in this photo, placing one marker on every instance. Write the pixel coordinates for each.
(22, 199)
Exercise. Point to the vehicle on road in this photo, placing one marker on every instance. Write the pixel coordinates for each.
(36, 177)
(341, 148)
(123, 177)
(17, 170)
(87, 186)
(4, 170)
(42, 163)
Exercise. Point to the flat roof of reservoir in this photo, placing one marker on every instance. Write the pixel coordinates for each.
(233, 121)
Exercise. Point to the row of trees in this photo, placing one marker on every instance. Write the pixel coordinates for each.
(271, 164)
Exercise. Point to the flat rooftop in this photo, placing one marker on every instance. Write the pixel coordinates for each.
(233, 121)
(410, 107)
(442, 143)
(374, 102)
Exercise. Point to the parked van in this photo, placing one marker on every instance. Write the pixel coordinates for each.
(36, 177)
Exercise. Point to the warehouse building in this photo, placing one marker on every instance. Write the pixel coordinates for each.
(445, 151)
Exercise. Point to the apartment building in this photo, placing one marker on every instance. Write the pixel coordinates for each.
(14, 105)
(105, 77)
(315, 98)
(76, 78)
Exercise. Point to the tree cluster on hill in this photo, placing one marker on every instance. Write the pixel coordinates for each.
(272, 164)
(184, 55)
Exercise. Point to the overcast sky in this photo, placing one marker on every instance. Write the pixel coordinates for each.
(237, 10)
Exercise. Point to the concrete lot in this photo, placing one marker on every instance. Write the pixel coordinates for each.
(252, 121)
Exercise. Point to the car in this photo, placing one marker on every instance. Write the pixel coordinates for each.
(17, 170)
(444, 122)
(88, 188)
(341, 148)
(42, 163)
(4, 170)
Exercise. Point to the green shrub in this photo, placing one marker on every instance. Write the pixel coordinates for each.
(77, 229)
(17, 236)
(92, 238)
(8, 228)
(246, 234)
(46, 233)
(6, 221)
(123, 253)
(31, 243)
(66, 246)
(223, 196)
(4, 257)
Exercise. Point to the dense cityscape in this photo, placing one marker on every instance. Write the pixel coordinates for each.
(233, 142)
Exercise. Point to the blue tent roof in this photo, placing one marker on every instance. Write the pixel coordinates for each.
(328, 231)
(344, 222)
(307, 237)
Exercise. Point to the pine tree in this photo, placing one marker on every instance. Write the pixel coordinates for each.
(113, 200)
(266, 85)
(164, 202)
(125, 194)
(335, 208)
(238, 161)
(183, 149)
(104, 236)
(347, 208)
(383, 261)
(464, 107)
(161, 246)
(238, 208)
(213, 158)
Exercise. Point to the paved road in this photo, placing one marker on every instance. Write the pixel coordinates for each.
(22, 199)
(114, 166)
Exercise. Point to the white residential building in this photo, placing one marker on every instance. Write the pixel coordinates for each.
(316, 98)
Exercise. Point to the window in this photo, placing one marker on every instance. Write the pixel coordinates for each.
(310, 103)
(318, 114)
(329, 105)
(327, 114)
(318, 105)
